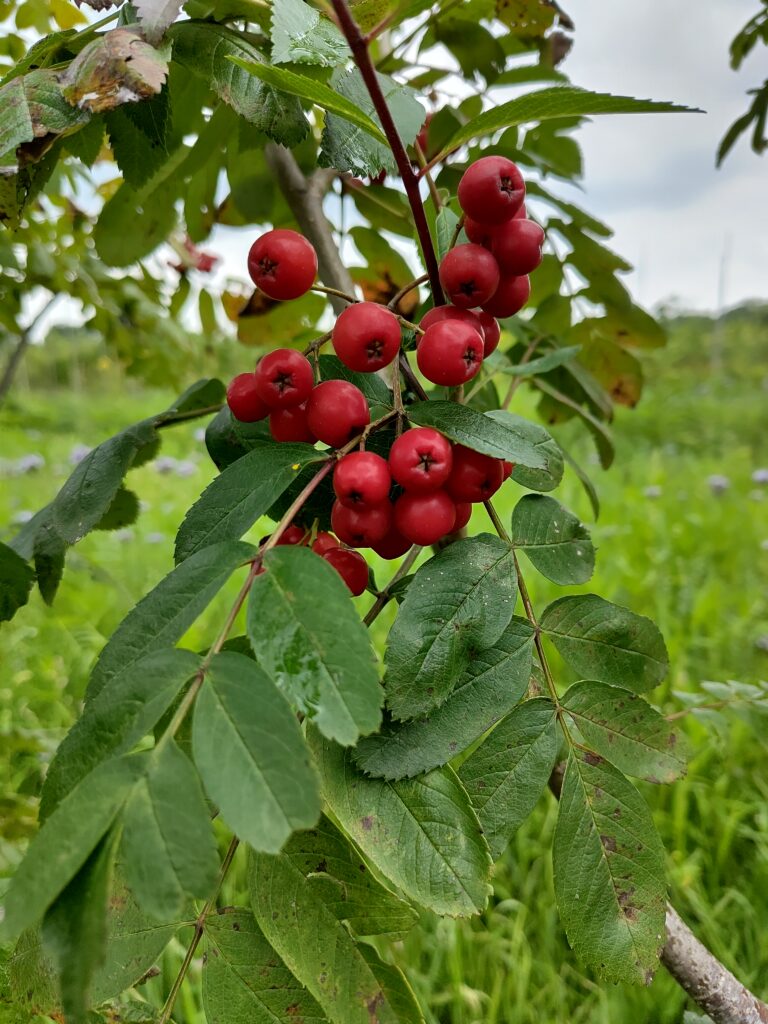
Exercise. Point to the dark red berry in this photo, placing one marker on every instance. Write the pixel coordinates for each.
(469, 275)
(474, 477)
(491, 190)
(491, 332)
(337, 411)
(421, 459)
(362, 478)
(511, 295)
(291, 424)
(366, 337)
(424, 518)
(463, 515)
(438, 313)
(324, 542)
(284, 378)
(351, 566)
(392, 546)
(292, 535)
(479, 233)
(283, 264)
(450, 353)
(360, 527)
(517, 247)
(243, 400)
(423, 137)
(508, 469)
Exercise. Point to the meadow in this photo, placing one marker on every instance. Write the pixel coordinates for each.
(682, 538)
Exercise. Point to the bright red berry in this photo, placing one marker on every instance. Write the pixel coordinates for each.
(351, 566)
(469, 275)
(474, 477)
(243, 400)
(337, 411)
(424, 518)
(284, 378)
(421, 459)
(491, 332)
(491, 190)
(511, 295)
(362, 478)
(291, 424)
(283, 264)
(392, 546)
(463, 515)
(438, 313)
(366, 337)
(517, 247)
(292, 535)
(508, 469)
(479, 233)
(362, 526)
(324, 542)
(450, 353)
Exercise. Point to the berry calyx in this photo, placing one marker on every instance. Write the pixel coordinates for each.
(284, 378)
(420, 460)
(324, 542)
(362, 479)
(392, 546)
(517, 247)
(469, 275)
(291, 424)
(511, 295)
(366, 337)
(243, 399)
(283, 264)
(474, 477)
(424, 518)
(291, 535)
(438, 313)
(351, 566)
(463, 515)
(336, 412)
(362, 526)
(450, 353)
(491, 332)
(491, 190)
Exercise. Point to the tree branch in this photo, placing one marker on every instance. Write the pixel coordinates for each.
(17, 353)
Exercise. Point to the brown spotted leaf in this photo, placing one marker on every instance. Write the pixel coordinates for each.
(35, 114)
(118, 67)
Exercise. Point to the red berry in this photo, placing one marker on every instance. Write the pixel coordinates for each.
(508, 469)
(421, 459)
(392, 546)
(438, 313)
(423, 137)
(491, 190)
(521, 214)
(469, 275)
(491, 332)
(362, 526)
(511, 295)
(474, 477)
(337, 412)
(283, 264)
(362, 478)
(424, 518)
(291, 424)
(292, 535)
(463, 515)
(366, 337)
(351, 566)
(479, 233)
(324, 542)
(284, 378)
(243, 401)
(517, 247)
(450, 353)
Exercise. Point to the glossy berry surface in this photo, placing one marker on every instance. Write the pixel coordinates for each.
(424, 518)
(337, 411)
(421, 459)
(450, 353)
(324, 542)
(491, 332)
(291, 424)
(491, 190)
(351, 566)
(243, 399)
(508, 469)
(438, 313)
(474, 477)
(463, 514)
(292, 535)
(479, 233)
(283, 264)
(284, 378)
(511, 295)
(394, 545)
(517, 247)
(469, 275)
(366, 337)
(362, 478)
(363, 526)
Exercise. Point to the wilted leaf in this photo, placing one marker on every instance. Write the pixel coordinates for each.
(117, 67)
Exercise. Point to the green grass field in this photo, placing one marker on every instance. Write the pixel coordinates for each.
(694, 560)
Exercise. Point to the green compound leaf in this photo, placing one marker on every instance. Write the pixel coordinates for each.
(491, 685)
(373, 387)
(609, 872)
(458, 604)
(240, 495)
(624, 728)
(251, 754)
(543, 364)
(446, 223)
(481, 432)
(421, 833)
(34, 108)
(607, 642)
(16, 579)
(244, 980)
(509, 771)
(549, 475)
(307, 636)
(301, 36)
(303, 900)
(555, 540)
